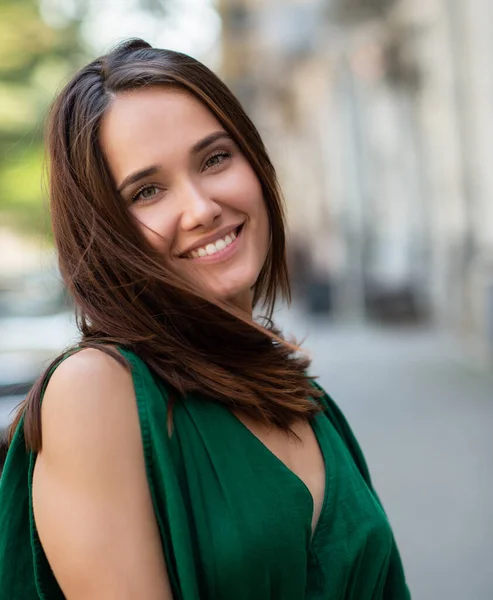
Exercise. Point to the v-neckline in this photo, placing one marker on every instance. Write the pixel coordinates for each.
(317, 433)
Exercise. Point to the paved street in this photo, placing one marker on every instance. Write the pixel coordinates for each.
(424, 417)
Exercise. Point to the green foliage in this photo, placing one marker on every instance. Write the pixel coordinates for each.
(34, 59)
(23, 202)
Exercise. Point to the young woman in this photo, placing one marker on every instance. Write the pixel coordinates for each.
(180, 450)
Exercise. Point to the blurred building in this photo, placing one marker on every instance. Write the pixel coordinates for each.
(277, 60)
(377, 114)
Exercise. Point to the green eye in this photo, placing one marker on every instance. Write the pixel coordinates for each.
(217, 159)
(145, 193)
(214, 160)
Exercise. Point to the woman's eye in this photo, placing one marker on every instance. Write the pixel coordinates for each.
(216, 160)
(145, 193)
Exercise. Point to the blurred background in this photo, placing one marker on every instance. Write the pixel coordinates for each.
(378, 116)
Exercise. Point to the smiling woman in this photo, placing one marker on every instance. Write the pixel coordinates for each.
(181, 450)
(195, 196)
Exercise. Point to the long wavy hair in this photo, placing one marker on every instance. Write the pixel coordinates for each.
(124, 294)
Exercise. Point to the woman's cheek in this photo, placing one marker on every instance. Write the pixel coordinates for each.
(158, 229)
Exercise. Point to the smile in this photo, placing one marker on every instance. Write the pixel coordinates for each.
(219, 248)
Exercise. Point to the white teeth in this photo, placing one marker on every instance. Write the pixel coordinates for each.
(212, 248)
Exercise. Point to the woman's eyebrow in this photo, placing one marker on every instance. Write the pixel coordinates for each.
(134, 177)
(152, 170)
(208, 140)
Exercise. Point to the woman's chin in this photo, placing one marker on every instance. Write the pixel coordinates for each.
(232, 286)
(240, 297)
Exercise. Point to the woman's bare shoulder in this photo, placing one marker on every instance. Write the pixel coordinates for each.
(89, 394)
(87, 363)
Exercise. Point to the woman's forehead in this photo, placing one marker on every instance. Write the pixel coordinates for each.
(150, 123)
(146, 109)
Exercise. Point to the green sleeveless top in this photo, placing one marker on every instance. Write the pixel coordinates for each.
(235, 522)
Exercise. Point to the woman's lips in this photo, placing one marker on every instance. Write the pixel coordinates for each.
(224, 253)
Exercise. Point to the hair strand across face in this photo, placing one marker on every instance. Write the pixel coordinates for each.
(124, 295)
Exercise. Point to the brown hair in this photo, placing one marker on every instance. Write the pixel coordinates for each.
(124, 296)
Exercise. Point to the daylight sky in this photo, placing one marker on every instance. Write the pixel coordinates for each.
(191, 26)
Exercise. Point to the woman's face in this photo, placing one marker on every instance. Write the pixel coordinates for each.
(193, 193)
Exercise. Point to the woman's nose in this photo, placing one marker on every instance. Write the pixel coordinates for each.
(199, 209)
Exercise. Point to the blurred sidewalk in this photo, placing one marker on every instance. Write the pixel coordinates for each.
(424, 418)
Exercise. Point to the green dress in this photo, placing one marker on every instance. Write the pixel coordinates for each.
(235, 522)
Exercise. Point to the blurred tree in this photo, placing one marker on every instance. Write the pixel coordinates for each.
(41, 45)
(34, 58)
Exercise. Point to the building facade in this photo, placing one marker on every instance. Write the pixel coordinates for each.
(377, 114)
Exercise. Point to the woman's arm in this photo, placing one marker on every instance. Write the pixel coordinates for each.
(91, 500)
